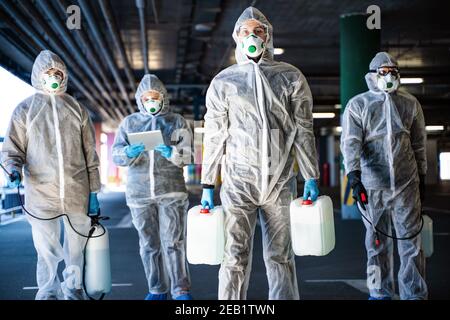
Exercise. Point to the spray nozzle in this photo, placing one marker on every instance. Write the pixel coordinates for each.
(377, 240)
(363, 198)
(96, 218)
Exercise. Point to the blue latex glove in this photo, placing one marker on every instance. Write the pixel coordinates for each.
(94, 205)
(311, 190)
(14, 179)
(207, 198)
(166, 151)
(134, 150)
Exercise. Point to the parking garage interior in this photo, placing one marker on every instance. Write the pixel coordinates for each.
(109, 45)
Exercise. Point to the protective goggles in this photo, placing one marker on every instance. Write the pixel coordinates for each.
(383, 71)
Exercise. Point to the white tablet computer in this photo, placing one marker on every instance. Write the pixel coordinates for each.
(150, 139)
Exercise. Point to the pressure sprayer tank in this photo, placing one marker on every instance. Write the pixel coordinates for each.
(427, 236)
(98, 266)
(312, 226)
(205, 239)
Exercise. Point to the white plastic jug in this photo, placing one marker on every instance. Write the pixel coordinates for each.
(205, 238)
(427, 236)
(98, 266)
(312, 226)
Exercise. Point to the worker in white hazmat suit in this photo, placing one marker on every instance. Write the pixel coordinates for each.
(258, 120)
(156, 192)
(383, 143)
(50, 142)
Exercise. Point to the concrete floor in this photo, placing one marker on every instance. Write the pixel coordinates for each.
(339, 275)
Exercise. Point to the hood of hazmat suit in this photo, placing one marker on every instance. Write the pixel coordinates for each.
(51, 137)
(384, 134)
(258, 121)
(382, 59)
(150, 175)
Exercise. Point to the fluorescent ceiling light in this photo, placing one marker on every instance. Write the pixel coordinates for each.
(411, 80)
(324, 115)
(204, 27)
(338, 106)
(444, 160)
(338, 129)
(278, 51)
(435, 128)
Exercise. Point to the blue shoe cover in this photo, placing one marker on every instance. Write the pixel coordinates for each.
(186, 296)
(161, 296)
(382, 298)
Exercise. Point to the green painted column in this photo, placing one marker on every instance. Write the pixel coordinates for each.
(358, 45)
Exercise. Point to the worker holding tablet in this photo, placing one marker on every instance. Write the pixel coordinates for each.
(156, 192)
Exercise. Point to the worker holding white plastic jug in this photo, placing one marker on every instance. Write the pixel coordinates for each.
(260, 112)
(156, 192)
(383, 143)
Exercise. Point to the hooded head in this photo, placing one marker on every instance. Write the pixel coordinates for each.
(381, 59)
(45, 61)
(253, 14)
(151, 82)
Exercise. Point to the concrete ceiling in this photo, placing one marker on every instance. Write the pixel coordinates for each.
(190, 41)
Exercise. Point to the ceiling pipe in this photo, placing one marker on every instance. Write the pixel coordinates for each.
(56, 45)
(140, 4)
(186, 86)
(104, 51)
(9, 48)
(183, 42)
(113, 118)
(34, 37)
(54, 41)
(105, 6)
(18, 34)
(95, 62)
(155, 13)
(55, 21)
(35, 48)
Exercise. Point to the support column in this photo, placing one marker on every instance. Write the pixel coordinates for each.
(358, 46)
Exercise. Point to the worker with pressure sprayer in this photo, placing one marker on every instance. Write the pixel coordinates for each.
(50, 144)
